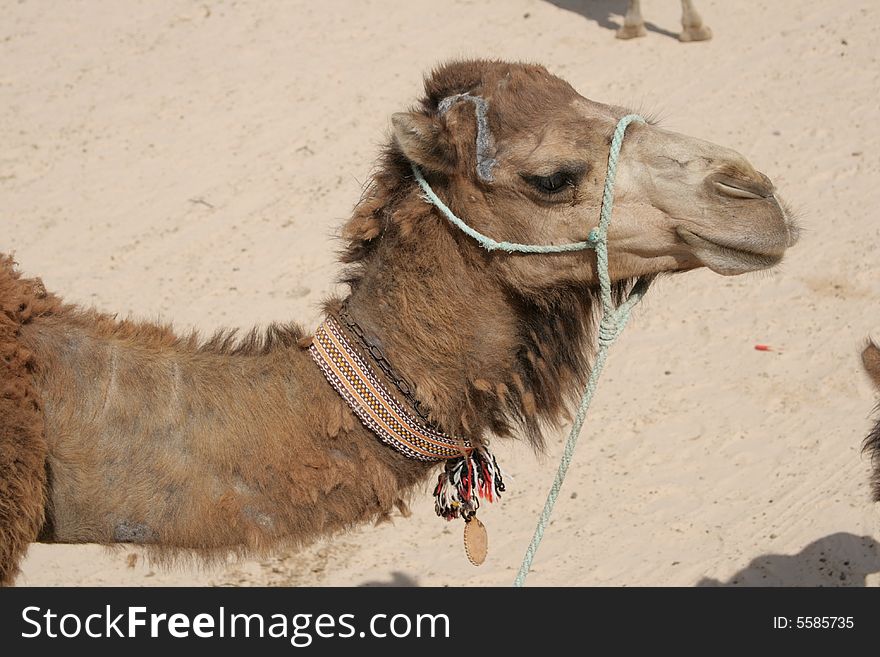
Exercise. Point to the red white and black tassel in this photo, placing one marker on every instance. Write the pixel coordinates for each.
(464, 481)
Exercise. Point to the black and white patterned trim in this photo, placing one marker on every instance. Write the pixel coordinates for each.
(357, 383)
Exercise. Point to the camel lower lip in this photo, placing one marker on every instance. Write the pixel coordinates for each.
(725, 259)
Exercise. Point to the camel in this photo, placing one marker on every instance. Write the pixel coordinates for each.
(692, 27)
(122, 431)
(871, 362)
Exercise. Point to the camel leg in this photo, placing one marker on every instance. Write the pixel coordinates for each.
(692, 28)
(633, 25)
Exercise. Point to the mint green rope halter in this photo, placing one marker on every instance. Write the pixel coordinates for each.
(613, 320)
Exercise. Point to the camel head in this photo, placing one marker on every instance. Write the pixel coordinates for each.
(521, 156)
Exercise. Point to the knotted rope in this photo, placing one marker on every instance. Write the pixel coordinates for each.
(613, 320)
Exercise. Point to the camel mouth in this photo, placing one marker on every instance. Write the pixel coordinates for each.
(791, 223)
(726, 259)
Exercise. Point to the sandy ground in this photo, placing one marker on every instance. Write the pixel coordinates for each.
(192, 161)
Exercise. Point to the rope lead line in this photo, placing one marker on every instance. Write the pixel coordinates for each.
(613, 320)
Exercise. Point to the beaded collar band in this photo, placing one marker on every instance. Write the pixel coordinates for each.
(471, 471)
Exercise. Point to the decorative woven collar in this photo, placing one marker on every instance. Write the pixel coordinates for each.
(471, 471)
(372, 402)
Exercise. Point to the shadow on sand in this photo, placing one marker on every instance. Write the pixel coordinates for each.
(836, 560)
(606, 13)
(840, 559)
(398, 580)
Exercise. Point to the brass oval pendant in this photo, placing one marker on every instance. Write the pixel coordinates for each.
(476, 541)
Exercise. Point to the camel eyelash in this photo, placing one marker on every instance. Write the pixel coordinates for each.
(556, 182)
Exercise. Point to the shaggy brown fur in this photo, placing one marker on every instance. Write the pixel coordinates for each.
(22, 437)
(871, 361)
(117, 431)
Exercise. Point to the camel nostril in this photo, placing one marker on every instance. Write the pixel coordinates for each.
(735, 192)
(743, 189)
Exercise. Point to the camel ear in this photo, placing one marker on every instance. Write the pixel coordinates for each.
(424, 141)
(871, 361)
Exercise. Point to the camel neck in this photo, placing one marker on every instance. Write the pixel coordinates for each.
(482, 356)
(442, 324)
(370, 349)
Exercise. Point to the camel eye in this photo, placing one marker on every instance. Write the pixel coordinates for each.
(552, 184)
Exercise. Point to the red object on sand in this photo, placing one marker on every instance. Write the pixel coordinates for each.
(762, 347)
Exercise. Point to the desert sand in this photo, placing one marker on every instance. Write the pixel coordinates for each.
(192, 162)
